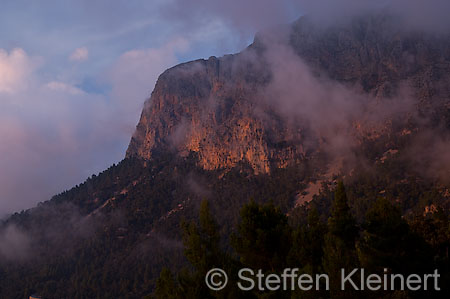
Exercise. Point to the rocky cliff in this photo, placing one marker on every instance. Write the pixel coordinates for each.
(214, 107)
(209, 107)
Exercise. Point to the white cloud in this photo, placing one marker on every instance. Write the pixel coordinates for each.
(53, 135)
(63, 87)
(15, 69)
(80, 54)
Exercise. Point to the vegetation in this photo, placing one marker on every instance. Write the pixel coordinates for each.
(113, 235)
(264, 240)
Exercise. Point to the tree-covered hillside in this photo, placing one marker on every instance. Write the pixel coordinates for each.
(113, 234)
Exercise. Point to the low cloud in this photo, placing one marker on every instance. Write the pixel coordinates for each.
(337, 118)
(14, 243)
(429, 155)
(421, 15)
(198, 186)
(255, 15)
(430, 15)
(332, 115)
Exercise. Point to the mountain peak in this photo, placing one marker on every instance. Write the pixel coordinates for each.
(216, 109)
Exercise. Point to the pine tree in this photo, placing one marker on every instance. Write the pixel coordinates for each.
(307, 243)
(264, 237)
(307, 251)
(201, 241)
(165, 286)
(382, 244)
(388, 243)
(339, 249)
(202, 249)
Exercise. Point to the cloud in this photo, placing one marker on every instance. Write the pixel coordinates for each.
(63, 87)
(244, 18)
(331, 114)
(55, 134)
(51, 141)
(430, 15)
(15, 69)
(80, 54)
(429, 156)
(331, 11)
(421, 15)
(134, 74)
(254, 15)
(323, 106)
(52, 135)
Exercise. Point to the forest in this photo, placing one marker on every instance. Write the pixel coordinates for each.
(115, 233)
(264, 239)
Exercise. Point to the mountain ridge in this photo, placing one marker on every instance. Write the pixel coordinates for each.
(262, 125)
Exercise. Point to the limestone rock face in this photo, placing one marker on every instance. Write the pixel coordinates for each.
(210, 107)
(214, 108)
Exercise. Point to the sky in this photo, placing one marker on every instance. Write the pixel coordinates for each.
(74, 75)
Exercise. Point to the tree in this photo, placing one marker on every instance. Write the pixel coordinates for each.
(201, 240)
(382, 243)
(202, 249)
(307, 243)
(388, 243)
(307, 251)
(264, 237)
(339, 249)
(165, 286)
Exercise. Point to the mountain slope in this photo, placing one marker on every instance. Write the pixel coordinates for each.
(298, 108)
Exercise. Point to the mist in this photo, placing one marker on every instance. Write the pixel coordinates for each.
(340, 116)
(419, 15)
(15, 244)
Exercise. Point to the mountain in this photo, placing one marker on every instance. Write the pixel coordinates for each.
(215, 108)
(207, 107)
(366, 101)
